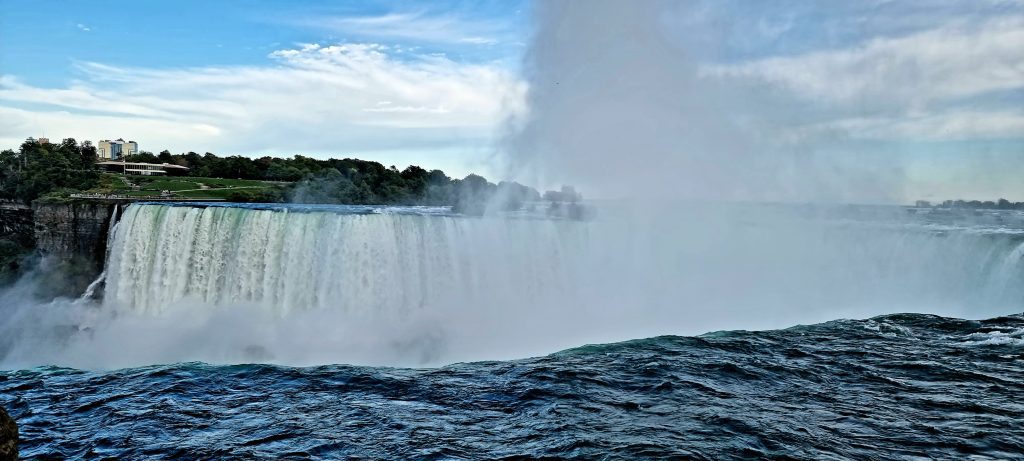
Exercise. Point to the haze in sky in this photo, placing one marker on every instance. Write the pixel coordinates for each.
(917, 99)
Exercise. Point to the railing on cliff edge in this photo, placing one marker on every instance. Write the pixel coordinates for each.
(143, 199)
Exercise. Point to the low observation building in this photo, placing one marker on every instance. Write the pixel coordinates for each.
(144, 169)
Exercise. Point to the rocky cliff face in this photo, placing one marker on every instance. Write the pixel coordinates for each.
(8, 437)
(72, 238)
(73, 230)
(16, 225)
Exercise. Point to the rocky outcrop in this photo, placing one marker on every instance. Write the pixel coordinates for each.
(73, 231)
(16, 224)
(8, 437)
(72, 240)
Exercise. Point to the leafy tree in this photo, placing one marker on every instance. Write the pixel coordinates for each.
(280, 171)
(36, 169)
(473, 194)
(142, 157)
(567, 194)
(87, 157)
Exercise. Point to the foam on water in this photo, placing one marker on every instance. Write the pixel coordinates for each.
(1013, 337)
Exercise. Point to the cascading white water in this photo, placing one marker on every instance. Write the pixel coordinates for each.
(90, 291)
(380, 265)
(232, 284)
(385, 266)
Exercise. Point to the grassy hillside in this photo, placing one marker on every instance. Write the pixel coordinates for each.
(187, 187)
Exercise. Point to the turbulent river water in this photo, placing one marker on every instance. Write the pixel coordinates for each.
(902, 386)
(190, 292)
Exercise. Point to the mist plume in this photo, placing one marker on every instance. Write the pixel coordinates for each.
(620, 104)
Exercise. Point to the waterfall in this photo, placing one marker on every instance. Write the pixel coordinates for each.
(313, 285)
(90, 291)
(111, 226)
(369, 263)
(1007, 277)
(386, 265)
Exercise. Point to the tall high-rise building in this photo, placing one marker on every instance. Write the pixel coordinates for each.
(114, 150)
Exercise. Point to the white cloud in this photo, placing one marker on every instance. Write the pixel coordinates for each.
(952, 125)
(351, 99)
(926, 86)
(433, 110)
(418, 27)
(83, 27)
(938, 64)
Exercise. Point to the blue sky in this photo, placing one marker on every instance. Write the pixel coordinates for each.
(932, 88)
(252, 78)
(42, 40)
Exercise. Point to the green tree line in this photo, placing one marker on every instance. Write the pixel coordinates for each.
(350, 181)
(37, 169)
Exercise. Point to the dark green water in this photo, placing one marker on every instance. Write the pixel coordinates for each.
(893, 387)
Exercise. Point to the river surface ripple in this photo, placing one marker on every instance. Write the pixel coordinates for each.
(897, 386)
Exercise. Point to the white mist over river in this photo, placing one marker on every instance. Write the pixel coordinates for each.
(416, 287)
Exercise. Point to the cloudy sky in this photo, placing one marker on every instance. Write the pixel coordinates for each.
(933, 88)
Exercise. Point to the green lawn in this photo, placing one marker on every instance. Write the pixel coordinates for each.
(229, 182)
(168, 184)
(141, 193)
(180, 186)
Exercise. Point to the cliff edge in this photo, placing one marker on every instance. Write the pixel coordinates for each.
(8, 437)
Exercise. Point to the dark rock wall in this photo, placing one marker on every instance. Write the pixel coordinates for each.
(16, 225)
(73, 231)
(8, 437)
